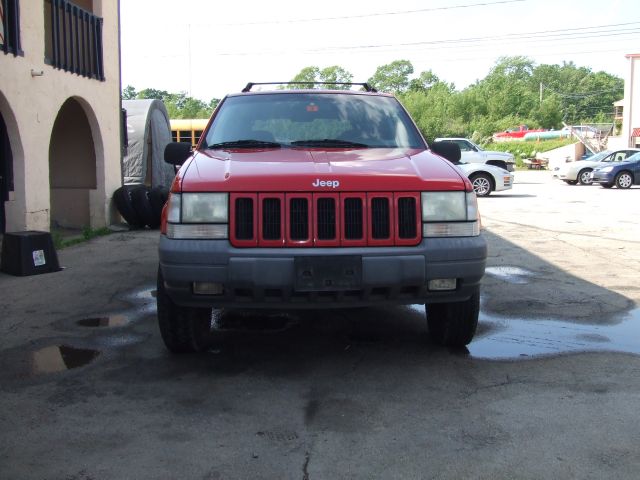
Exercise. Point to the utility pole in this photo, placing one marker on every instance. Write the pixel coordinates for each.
(540, 93)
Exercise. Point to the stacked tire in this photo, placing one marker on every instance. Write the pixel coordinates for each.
(139, 205)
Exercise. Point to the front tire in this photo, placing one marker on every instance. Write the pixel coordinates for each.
(571, 182)
(183, 329)
(482, 184)
(453, 324)
(583, 177)
(624, 180)
(606, 185)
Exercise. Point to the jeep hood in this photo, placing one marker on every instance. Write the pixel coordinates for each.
(316, 170)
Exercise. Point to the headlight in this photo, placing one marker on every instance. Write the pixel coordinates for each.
(450, 214)
(449, 206)
(198, 215)
(605, 169)
(205, 208)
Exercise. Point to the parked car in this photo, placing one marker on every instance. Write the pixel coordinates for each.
(317, 199)
(621, 174)
(487, 178)
(516, 133)
(580, 170)
(472, 153)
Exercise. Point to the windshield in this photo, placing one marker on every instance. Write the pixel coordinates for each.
(599, 156)
(330, 120)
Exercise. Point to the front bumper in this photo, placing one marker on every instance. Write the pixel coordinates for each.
(601, 177)
(266, 277)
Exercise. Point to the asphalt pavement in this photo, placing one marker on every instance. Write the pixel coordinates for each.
(549, 388)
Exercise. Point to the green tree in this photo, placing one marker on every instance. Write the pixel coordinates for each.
(425, 81)
(307, 74)
(335, 73)
(129, 93)
(392, 77)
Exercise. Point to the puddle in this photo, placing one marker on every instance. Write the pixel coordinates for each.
(58, 358)
(111, 321)
(146, 294)
(515, 275)
(520, 338)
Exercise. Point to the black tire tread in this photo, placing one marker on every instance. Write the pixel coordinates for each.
(142, 205)
(183, 329)
(158, 197)
(454, 324)
(122, 197)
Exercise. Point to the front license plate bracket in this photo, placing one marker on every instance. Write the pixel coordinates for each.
(323, 274)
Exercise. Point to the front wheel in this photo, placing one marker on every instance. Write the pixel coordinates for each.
(624, 180)
(183, 329)
(481, 184)
(606, 185)
(454, 324)
(584, 177)
(571, 182)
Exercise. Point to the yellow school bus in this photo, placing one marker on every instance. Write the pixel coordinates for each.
(188, 129)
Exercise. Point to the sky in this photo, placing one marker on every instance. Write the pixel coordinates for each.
(209, 48)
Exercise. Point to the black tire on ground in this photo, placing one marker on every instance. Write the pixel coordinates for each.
(606, 185)
(142, 205)
(158, 197)
(482, 184)
(624, 180)
(583, 176)
(124, 203)
(454, 324)
(571, 182)
(183, 329)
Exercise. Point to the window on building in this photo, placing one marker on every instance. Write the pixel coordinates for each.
(73, 37)
(10, 27)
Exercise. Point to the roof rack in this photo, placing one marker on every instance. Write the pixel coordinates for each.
(366, 86)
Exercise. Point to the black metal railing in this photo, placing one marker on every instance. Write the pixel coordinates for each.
(10, 27)
(73, 39)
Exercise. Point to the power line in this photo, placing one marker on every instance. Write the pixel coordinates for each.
(557, 34)
(582, 33)
(369, 15)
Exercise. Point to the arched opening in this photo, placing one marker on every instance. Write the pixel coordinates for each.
(72, 168)
(6, 172)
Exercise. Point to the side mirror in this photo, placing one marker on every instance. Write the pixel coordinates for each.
(175, 153)
(448, 150)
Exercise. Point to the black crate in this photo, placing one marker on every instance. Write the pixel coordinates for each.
(28, 253)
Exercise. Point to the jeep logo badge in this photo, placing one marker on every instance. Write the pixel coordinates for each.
(326, 183)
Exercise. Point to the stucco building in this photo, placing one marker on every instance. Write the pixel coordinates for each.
(60, 121)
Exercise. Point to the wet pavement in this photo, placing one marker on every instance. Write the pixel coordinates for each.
(549, 387)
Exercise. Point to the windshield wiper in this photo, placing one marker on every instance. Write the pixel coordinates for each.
(248, 143)
(328, 142)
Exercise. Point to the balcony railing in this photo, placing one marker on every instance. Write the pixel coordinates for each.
(73, 39)
(10, 27)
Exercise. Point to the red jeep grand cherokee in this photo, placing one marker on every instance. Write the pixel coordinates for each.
(317, 199)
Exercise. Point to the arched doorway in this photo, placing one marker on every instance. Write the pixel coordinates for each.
(6, 172)
(72, 168)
